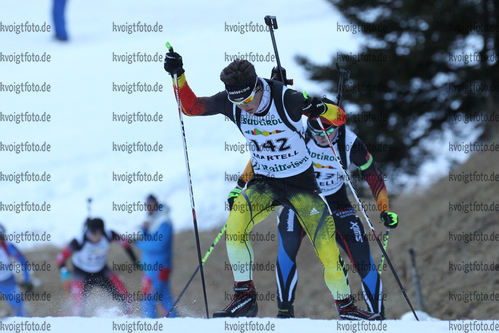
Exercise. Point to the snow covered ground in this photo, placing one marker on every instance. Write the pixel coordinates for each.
(242, 325)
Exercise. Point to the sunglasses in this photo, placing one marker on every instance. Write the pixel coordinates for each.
(321, 133)
(250, 97)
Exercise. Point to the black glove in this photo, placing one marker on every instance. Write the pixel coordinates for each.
(28, 286)
(233, 195)
(173, 63)
(391, 220)
(313, 107)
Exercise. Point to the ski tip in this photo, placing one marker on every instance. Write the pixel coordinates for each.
(169, 47)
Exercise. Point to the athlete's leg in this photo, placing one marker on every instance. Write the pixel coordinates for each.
(79, 291)
(252, 206)
(314, 216)
(351, 236)
(290, 234)
(114, 286)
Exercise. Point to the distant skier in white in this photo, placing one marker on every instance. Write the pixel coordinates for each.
(89, 253)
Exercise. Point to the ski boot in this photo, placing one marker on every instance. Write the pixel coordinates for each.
(348, 311)
(244, 303)
(286, 310)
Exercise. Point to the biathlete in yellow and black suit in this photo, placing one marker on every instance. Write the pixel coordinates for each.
(269, 116)
(350, 234)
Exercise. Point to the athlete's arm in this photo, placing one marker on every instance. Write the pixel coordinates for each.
(360, 156)
(67, 252)
(241, 183)
(297, 105)
(202, 106)
(124, 243)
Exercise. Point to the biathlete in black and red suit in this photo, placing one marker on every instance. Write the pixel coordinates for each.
(269, 116)
(89, 253)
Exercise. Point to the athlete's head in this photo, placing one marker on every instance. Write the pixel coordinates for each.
(242, 85)
(314, 128)
(95, 229)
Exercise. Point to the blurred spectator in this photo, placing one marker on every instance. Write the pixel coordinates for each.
(59, 20)
(8, 286)
(156, 247)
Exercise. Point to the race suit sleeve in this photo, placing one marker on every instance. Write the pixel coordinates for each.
(294, 102)
(67, 252)
(202, 106)
(360, 156)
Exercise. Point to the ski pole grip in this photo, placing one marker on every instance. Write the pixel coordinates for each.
(271, 21)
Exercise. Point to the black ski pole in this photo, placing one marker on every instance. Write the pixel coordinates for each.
(348, 181)
(271, 22)
(416, 280)
(186, 155)
(343, 74)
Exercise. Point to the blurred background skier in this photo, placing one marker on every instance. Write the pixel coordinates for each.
(89, 259)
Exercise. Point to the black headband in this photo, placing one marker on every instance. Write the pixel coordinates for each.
(241, 90)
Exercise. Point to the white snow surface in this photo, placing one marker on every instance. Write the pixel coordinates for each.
(242, 325)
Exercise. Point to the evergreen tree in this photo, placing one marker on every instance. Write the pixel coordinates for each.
(423, 64)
